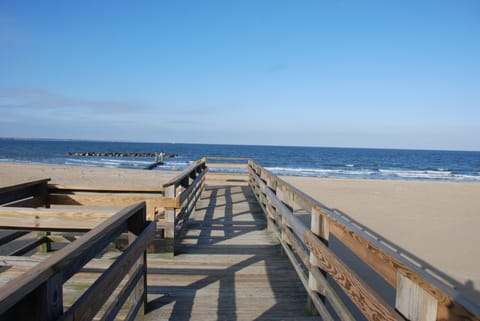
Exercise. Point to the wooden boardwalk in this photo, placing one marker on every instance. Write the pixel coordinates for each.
(228, 266)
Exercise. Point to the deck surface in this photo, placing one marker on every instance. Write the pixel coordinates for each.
(228, 266)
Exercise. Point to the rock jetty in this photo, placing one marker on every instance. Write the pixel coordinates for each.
(118, 154)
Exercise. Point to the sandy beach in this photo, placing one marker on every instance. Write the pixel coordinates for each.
(436, 222)
(15, 173)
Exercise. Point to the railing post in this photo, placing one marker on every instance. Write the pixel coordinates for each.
(135, 225)
(170, 214)
(319, 226)
(45, 303)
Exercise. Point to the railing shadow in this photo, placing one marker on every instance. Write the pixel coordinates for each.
(466, 289)
(220, 226)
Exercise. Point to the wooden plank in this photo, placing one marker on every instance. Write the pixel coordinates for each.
(227, 158)
(18, 192)
(197, 166)
(55, 188)
(330, 295)
(48, 223)
(19, 261)
(193, 186)
(21, 186)
(11, 236)
(68, 260)
(227, 267)
(87, 306)
(383, 260)
(107, 199)
(77, 212)
(225, 165)
(372, 306)
(28, 247)
(414, 303)
(38, 201)
(320, 307)
(388, 263)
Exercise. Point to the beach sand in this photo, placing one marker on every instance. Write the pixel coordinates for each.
(436, 222)
(16, 173)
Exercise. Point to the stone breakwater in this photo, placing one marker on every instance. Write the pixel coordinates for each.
(118, 154)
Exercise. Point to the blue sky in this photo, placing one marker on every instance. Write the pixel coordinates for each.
(395, 74)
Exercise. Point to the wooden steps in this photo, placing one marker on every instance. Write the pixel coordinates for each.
(228, 266)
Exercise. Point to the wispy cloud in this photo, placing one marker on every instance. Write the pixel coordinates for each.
(34, 98)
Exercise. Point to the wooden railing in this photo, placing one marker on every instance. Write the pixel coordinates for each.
(31, 194)
(38, 293)
(181, 193)
(169, 204)
(417, 295)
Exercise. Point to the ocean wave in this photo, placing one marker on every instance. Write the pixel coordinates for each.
(445, 175)
(92, 162)
(416, 173)
(320, 172)
(123, 161)
(442, 174)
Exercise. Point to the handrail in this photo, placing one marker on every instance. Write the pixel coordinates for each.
(38, 293)
(18, 193)
(99, 189)
(183, 191)
(278, 198)
(195, 167)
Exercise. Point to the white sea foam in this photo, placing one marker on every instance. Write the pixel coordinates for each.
(94, 162)
(320, 172)
(124, 161)
(428, 174)
(417, 173)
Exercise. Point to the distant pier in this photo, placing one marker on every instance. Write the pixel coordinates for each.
(121, 154)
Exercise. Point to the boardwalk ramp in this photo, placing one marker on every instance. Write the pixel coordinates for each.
(228, 266)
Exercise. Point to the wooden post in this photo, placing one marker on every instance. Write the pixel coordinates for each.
(45, 303)
(170, 214)
(47, 245)
(319, 226)
(413, 302)
(136, 225)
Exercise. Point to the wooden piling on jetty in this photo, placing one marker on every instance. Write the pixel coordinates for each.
(228, 264)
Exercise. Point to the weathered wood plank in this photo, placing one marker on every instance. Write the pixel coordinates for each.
(382, 259)
(74, 212)
(11, 236)
(413, 302)
(197, 166)
(68, 260)
(55, 188)
(372, 306)
(48, 223)
(18, 192)
(228, 266)
(220, 165)
(110, 199)
(86, 307)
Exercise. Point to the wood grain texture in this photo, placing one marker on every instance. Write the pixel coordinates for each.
(452, 306)
(36, 189)
(228, 266)
(372, 306)
(67, 261)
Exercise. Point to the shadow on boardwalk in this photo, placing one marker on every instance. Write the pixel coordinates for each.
(228, 267)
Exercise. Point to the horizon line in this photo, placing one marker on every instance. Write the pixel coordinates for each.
(233, 144)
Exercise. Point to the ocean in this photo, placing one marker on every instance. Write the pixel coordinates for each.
(282, 160)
